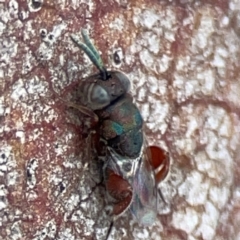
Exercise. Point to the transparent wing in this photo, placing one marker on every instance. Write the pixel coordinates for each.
(144, 204)
(139, 174)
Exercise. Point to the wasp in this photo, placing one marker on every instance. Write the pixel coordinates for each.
(131, 171)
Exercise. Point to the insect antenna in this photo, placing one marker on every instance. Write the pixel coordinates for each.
(90, 45)
(91, 52)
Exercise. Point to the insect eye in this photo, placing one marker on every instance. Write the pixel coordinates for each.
(99, 96)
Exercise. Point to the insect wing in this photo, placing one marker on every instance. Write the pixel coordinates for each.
(122, 165)
(144, 205)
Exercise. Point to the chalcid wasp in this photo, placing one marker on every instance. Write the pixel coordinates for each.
(131, 170)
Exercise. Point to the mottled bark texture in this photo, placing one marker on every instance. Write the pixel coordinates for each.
(182, 57)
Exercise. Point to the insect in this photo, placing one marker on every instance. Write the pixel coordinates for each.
(131, 171)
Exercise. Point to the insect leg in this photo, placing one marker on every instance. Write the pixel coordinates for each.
(84, 110)
(109, 230)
